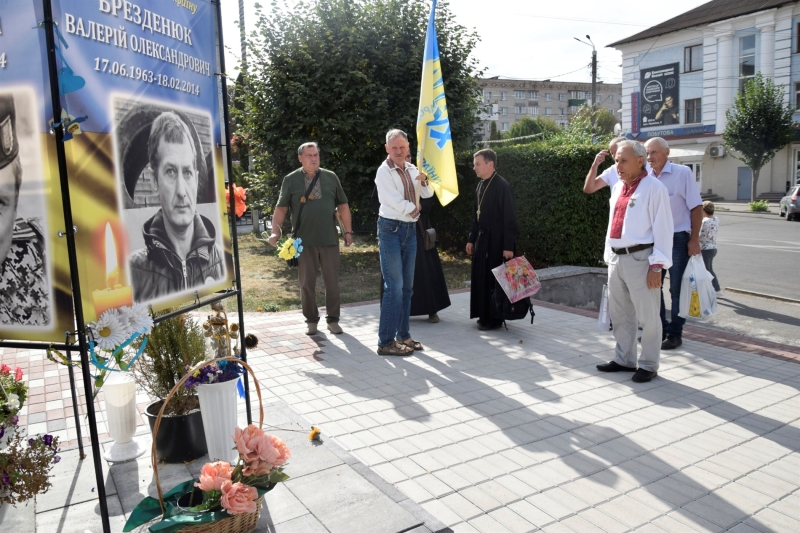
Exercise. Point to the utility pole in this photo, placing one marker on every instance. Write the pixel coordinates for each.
(594, 78)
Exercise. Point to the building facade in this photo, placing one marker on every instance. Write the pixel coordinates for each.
(681, 76)
(508, 100)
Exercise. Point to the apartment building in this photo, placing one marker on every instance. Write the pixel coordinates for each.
(508, 100)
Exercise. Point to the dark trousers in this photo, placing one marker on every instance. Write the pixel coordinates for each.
(708, 261)
(680, 258)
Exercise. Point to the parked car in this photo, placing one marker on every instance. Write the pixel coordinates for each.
(790, 204)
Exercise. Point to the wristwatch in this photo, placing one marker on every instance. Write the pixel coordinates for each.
(656, 269)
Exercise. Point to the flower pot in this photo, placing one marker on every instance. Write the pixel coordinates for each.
(180, 437)
(120, 393)
(218, 405)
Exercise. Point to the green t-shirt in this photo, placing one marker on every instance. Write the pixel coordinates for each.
(317, 225)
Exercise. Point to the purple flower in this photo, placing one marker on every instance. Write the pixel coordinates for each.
(14, 420)
(57, 458)
(6, 479)
(30, 442)
(2, 431)
(48, 440)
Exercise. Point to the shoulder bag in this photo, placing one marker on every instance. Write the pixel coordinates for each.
(429, 235)
(293, 261)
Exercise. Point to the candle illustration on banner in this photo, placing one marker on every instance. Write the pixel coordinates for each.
(114, 295)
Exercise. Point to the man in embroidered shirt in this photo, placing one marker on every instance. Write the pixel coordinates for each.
(687, 215)
(638, 248)
(318, 232)
(181, 248)
(397, 243)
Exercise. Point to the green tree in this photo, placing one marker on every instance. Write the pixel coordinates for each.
(532, 126)
(494, 135)
(342, 73)
(604, 119)
(759, 125)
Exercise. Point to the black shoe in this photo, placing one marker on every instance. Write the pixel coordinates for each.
(488, 326)
(672, 342)
(643, 376)
(613, 366)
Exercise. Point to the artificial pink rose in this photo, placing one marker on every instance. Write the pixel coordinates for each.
(273, 450)
(18, 374)
(5, 370)
(247, 441)
(257, 468)
(238, 498)
(213, 475)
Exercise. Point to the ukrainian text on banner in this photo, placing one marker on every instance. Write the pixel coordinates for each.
(434, 141)
(35, 294)
(144, 159)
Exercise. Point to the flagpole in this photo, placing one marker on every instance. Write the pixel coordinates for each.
(417, 186)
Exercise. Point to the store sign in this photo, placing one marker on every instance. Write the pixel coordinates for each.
(673, 132)
(659, 88)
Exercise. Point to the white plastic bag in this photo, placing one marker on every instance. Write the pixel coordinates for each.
(698, 297)
(604, 319)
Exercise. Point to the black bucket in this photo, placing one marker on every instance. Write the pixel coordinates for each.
(181, 438)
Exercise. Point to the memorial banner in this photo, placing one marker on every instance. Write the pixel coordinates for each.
(35, 288)
(660, 95)
(144, 160)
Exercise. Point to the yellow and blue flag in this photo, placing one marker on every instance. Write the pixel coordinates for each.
(434, 143)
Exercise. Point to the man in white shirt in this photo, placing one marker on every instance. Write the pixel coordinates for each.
(638, 248)
(687, 215)
(609, 176)
(397, 243)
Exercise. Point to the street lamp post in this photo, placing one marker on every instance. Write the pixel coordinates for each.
(594, 77)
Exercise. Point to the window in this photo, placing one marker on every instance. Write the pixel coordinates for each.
(505, 126)
(503, 95)
(561, 97)
(520, 95)
(610, 97)
(534, 110)
(697, 170)
(520, 110)
(797, 49)
(573, 109)
(504, 111)
(548, 111)
(547, 96)
(747, 60)
(599, 98)
(487, 95)
(693, 58)
(534, 95)
(694, 111)
(561, 111)
(797, 96)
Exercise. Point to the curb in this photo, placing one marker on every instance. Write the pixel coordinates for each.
(763, 295)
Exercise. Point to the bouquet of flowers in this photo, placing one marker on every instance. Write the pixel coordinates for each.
(214, 373)
(25, 470)
(223, 491)
(290, 248)
(13, 393)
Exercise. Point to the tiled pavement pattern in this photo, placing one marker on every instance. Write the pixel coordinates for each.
(514, 431)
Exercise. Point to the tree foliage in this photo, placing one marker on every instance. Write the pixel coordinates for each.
(494, 135)
(342, 73)
(532, 126)
(604, 119)
(759, 125)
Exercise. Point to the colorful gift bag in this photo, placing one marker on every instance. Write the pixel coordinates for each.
(517, 278)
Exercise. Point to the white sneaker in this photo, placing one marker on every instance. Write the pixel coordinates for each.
(311, 328)
(334, 328)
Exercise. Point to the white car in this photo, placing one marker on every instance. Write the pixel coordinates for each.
(790, 204)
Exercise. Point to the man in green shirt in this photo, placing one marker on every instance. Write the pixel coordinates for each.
(317, 230)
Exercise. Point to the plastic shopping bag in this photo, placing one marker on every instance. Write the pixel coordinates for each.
(698, 298)
(604, 319)
(517, 278)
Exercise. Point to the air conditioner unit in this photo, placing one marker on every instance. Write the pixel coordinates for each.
(717, 151)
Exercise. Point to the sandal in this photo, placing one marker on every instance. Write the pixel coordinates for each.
(395, 348)
(411, 343)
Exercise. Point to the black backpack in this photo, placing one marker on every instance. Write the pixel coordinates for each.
(503, 309)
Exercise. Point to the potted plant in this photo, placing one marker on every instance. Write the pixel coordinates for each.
(172, 346)
(13, 392)
(25, 470)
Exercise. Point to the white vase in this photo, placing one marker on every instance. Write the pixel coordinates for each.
(218, 407)
(120, 396)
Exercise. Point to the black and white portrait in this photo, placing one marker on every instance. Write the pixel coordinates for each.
(165, 163)
(25, 281)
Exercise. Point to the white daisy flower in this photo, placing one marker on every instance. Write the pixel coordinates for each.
(108, 331)
(140, 319)
(126, 319)
(13, 401)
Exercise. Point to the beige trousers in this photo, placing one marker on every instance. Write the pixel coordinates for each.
(313, 259)
(630, 300)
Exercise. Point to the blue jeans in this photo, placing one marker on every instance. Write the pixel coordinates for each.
(397, 246)
(680, 258)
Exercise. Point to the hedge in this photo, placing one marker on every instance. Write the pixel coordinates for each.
(559, 223)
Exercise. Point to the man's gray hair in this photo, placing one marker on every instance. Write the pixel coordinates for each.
(391, 134)
(660, 142)
(616, 140)
(637, 148)
(303, 146)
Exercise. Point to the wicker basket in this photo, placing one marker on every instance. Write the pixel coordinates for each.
(238, 523)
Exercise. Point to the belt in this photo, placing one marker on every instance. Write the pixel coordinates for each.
(631, 249)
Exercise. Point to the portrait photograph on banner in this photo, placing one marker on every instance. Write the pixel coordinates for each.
(35, 294)
(144, 157)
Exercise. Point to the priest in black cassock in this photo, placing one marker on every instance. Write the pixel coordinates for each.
(492, 238)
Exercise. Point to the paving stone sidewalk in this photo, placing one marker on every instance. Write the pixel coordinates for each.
(506, 431)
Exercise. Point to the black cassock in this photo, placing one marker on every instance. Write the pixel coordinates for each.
(496, 230)
(430, 287)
